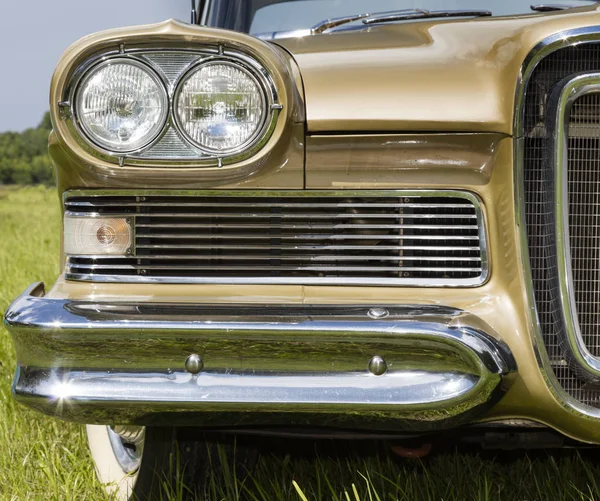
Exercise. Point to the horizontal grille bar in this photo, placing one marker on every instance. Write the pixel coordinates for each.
(374, 238)
(218, 246)
(312, 226)
(312, 258)
(322, 236)
(334, 257)
(263, 268)
(71, 205)
(231, 215)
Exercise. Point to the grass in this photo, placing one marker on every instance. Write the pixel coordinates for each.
(40, 458)
(45, 459)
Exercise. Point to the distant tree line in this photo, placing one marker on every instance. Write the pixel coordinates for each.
(24, 155)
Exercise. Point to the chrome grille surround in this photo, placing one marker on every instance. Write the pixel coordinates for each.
(582, 400)
(384, 238)
(573, 205)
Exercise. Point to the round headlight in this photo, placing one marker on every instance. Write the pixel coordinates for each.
(121, 105)
(220, 107)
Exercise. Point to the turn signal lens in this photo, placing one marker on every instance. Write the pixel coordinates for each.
(101, 236)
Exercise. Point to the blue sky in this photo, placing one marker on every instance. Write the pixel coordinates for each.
(35, 33)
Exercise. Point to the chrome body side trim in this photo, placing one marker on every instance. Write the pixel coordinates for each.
(123, 363)
(546, 47)
(566, 95)
(296, 197)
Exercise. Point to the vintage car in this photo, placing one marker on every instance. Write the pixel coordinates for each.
(299, 218)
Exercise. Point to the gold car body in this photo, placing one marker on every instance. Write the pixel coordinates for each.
(427, 105)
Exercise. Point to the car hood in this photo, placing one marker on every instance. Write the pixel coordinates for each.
(439, 76)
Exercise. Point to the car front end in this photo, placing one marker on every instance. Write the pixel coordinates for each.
(386, 228)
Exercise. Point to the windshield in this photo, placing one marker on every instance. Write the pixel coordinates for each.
(264, 16)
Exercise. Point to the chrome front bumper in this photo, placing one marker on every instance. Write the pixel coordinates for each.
(124, 363)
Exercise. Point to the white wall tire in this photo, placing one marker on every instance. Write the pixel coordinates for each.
(117, 482)
(167, 457)
(123, 483)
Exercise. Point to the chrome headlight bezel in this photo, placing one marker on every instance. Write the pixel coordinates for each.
(87, 135)
(195, 156)
(266, 101)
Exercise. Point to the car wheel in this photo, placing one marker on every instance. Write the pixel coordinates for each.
(137, 463)
(131, 466)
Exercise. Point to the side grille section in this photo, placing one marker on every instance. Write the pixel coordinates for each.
(371, 238)
(583, 169)
(584, 196)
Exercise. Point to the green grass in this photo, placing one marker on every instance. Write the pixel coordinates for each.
(40, 458)
(46, 459)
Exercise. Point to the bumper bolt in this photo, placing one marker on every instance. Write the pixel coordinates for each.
(377, 366)
(378, 313)
(194, 364)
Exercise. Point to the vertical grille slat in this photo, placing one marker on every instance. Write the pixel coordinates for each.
(584, 206)
(375, 239)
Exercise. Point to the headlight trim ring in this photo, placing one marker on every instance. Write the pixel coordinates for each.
(142, 157)
(93, 70)
(262, 84)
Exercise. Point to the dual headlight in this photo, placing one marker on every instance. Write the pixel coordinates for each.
(122, 105)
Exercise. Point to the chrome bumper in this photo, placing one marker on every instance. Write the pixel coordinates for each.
(124, 363)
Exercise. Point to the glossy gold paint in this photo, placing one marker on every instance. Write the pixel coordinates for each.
(382, 86)
(382, 161)
(280, 169)
(280, 163)
(498, 303)
(457, 75)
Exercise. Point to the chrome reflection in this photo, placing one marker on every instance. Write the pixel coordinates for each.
(417, 238)
(125, 363)
(127, 447)
(551, 44)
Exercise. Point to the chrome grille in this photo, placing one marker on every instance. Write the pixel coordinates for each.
(170, 146)
(538, 214)
(171, 64)
(373, 238)
(584, 215)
